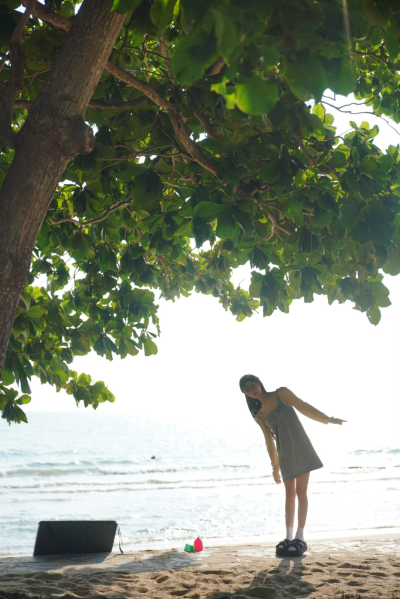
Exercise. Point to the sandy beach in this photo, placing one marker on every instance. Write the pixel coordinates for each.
(358, 567)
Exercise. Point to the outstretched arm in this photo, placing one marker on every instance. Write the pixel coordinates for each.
(292, 401)
(273, 454)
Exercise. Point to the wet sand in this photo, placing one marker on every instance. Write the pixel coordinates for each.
(360, 567)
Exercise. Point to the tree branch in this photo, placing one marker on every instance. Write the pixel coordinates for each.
(173, 112)
(3, 60)
(14, 86)
(166, 58)
(276, 223)
(16, 36)
(94, 220)
(370, 55)
(248, 190)
(207, 126)
(45, 14)
(216, 66)
(145, 88)
(26, 104)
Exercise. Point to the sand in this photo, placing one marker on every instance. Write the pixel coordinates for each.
(348, 568)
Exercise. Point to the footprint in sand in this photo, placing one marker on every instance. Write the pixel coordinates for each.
(160, 579)
(262, 592)
(48, 576)
(355, 566)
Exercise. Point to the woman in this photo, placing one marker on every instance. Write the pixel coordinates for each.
(295, 457)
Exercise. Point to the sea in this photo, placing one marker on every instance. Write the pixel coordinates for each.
(167, 482)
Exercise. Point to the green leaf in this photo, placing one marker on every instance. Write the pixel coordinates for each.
(227, 226)
(350, 216)
(150, 348)
(55, 241)
(35, 312)
(347, 79)
(201, 231)
(374, 16)
(271, 172)
(368, 166)
(306, 78)
(392, 45)
(8, 377)
(374, 315)
(321, 217)
(265, 52)
(226, 33)
(161, 14)
(381, 293)
(294, 206)
(80, 345)
(319, 110)
(255, 95)
(131, 348)
(80, 247)
(300, 178)
(207, 211)
(23, 399)
(123, 6)
(192, 55)
(386, 162)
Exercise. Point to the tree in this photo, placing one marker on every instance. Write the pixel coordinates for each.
(159, 144)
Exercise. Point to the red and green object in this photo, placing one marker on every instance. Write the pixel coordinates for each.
(197, 546)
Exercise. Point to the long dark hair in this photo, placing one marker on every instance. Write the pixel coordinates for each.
(253, 404)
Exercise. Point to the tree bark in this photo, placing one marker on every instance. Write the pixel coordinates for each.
(53, 133)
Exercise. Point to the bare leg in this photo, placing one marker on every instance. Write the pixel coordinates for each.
(301, 492)
(290, 504)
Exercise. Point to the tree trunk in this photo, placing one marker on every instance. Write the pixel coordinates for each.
(54, 132)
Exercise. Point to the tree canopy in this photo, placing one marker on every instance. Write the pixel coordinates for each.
(214, 147)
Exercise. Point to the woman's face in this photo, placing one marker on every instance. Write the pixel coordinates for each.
(252, 389)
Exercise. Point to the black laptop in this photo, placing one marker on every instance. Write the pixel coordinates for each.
(75, 536)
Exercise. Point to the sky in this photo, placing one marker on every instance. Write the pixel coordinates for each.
(329, 356)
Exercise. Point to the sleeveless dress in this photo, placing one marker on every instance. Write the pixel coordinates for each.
(295, 451)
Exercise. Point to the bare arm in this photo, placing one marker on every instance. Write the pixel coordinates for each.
(292, 401)
(273, 454)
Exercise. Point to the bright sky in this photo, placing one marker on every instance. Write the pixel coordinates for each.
(330, 356)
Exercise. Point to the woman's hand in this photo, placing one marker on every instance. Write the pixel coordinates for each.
(337, 421)
(277, 477)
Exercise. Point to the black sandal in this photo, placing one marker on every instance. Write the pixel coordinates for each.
(282, 547)
(300, 548)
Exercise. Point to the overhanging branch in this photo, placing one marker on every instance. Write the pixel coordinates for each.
(145, 88)
(173, 112)
(94, 220)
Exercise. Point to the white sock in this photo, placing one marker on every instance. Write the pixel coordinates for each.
(289, 533)
(300, 534)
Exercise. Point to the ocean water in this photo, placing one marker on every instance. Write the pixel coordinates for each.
(165, 482)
